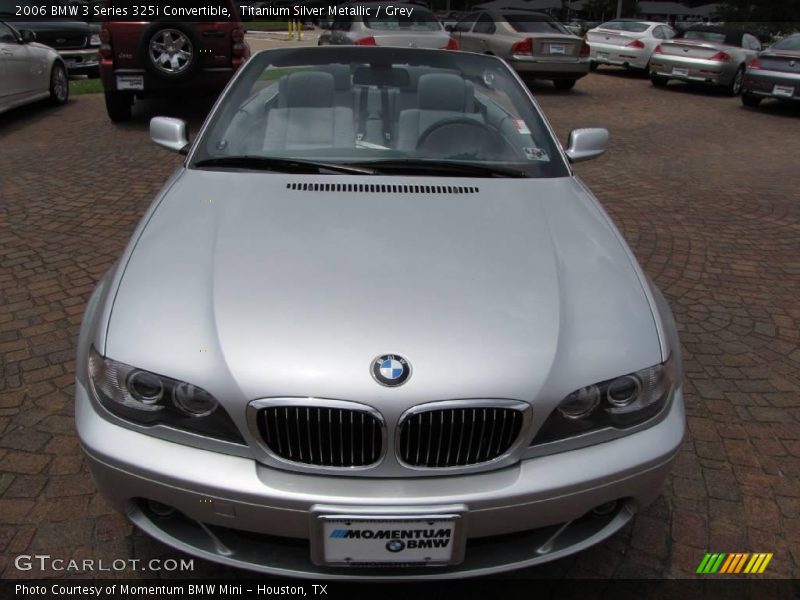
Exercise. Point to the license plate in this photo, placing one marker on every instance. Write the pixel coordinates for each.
(680, 72)
(358, 541)
(70, 62)
(130, 82)
(558, 49)
(787, 91)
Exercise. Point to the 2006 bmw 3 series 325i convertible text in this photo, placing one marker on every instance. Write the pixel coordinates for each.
(375, 327)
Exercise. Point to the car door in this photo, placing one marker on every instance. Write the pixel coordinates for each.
(482, 33)
(18, 80)
(462, 32)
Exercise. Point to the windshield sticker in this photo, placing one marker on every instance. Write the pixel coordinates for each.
(521, 127)
(536, 154)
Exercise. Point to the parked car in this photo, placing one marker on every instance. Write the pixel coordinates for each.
(376, 27)
(534, 44)
(141, 59)
(75, 41)
(29, 71)
(626, 43)
(710, 55)
(328, 351)
(774, 73)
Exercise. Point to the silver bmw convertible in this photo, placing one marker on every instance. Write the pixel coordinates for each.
(375, 327)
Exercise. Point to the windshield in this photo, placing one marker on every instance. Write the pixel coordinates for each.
(631, 26)
(525, 24)
(789, 43)
(352, 105)
(418, 20)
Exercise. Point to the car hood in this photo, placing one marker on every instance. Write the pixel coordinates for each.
(251, 289)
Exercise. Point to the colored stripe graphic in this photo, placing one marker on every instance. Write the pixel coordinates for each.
(733, 563)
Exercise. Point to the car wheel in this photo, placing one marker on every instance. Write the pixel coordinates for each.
(659, 81)
(593, 66)
(750, 101)
(59, 84)
(564, 84)
(170, 51)
(735, 87)
(119, 106)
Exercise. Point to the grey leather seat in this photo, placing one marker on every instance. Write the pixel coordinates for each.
(307, 116)
(440, 96)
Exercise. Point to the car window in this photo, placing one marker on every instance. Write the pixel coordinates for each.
(751, 42)
(632, 26)
(465, 24)
(6, 35)
(791, 43)
(359, 105)
(342, 23)
(708, 36)
(668, 32)
(418, 20)
(485, 25)
(526, 24)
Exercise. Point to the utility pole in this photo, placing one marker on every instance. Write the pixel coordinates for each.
(619, 9)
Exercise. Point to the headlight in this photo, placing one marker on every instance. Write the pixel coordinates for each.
(619, 403)
(94, 40)
(148, 399)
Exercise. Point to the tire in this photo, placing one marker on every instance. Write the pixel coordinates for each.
(59, 84)
(119, 106)
(750, 101)
(564, 84)
(593, 66)
(735, 86)
(659, 81)
(170, 51)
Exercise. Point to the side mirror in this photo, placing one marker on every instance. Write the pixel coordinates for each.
(585, 144)
(27, 36)
(169, 133)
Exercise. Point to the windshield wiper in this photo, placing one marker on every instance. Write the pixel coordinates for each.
(283, 165)
(442, 167)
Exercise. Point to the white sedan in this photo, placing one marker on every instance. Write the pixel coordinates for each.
(29, 71)
(626, 43)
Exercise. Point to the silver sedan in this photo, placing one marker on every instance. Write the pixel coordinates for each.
(29, 71)
(534, 44)
(373, 325)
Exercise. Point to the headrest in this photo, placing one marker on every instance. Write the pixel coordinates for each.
(445, 91)
(341, 75)
(306, 89)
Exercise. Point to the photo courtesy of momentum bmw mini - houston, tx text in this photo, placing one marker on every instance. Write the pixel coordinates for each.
(412, 342)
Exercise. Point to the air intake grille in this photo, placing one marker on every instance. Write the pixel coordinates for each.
(320, 435)
(58, 40)
(382, 188)
(456, 437)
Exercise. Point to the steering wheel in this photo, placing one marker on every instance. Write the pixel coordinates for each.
(463, 135)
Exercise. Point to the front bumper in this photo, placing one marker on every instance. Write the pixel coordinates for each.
(81, 61)
(542, 502)
(695, 70)
(762, 82)
(549, 68)
(621, 56)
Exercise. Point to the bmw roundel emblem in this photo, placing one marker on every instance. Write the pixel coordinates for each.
(395, 545)
(391, 370)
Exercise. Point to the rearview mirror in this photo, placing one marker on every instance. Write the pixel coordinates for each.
(27, 36)
(169, 133)
(585, 144)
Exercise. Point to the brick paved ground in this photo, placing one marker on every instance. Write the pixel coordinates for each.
(705, 191)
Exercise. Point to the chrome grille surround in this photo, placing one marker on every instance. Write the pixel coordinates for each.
(311, 434)
(487, 422)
